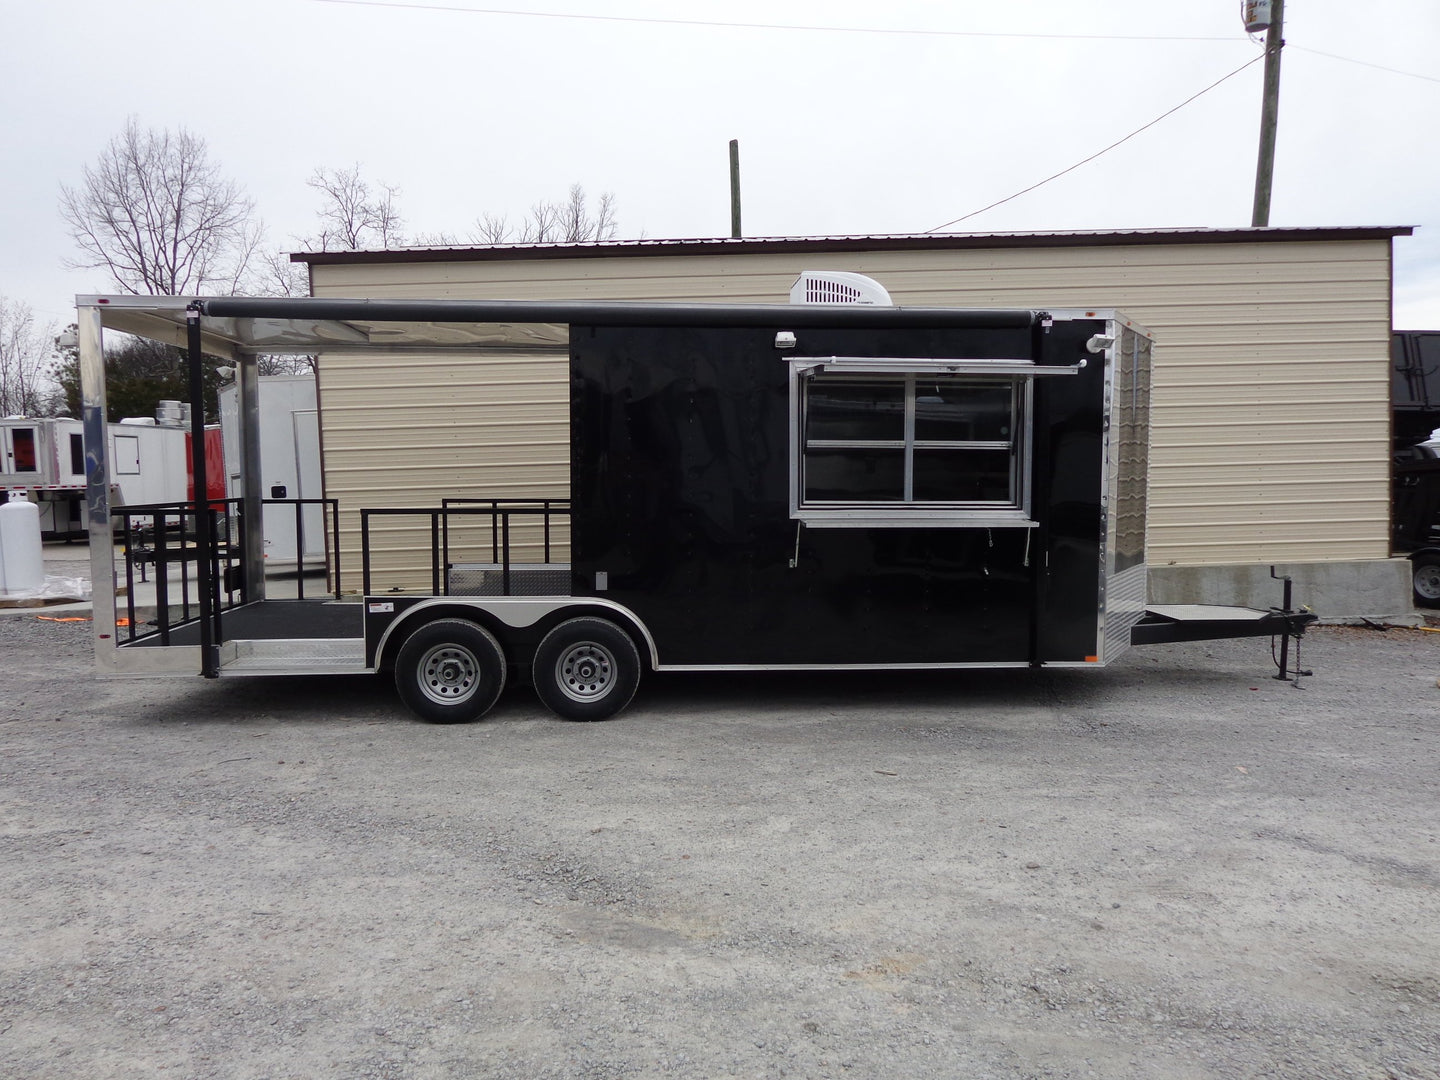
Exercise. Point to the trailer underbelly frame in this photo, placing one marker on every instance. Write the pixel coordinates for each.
(263, 638)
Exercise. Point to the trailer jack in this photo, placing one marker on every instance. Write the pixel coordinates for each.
(1297, 631)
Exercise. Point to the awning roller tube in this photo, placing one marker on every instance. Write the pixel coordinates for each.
(612, 313)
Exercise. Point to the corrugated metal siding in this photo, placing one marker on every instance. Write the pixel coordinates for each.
(1271, 394)
(418, 428)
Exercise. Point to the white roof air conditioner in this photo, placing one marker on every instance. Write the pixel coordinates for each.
(838, 287)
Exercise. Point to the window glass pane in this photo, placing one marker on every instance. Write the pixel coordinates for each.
(22, 441)
(963, 476)
(854, 410)
(950, 410)
(77, 455)
(855, 475)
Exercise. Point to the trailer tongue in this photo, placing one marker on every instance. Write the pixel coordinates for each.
(811, 486)
(1202, 622)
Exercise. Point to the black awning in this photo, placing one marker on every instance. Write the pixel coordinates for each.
(603, 313)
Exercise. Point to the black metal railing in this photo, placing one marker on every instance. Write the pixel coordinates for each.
(331, 505)
(161, 538)
(442, 526)
(157, 537)
(560, 507)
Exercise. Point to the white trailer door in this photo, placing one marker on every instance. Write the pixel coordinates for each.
(309, 482)
(291, 460)
(126, 456)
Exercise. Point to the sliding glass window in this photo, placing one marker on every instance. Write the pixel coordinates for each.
(951, 446)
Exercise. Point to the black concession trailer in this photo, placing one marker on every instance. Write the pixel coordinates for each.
(803, 486)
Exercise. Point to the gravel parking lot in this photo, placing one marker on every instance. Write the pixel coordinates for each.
(1176, 867)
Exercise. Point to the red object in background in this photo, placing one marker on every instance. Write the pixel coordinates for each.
(214, 467)
(23, 445)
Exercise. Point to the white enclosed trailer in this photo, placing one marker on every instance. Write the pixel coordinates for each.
(149, 463)
(289, 436)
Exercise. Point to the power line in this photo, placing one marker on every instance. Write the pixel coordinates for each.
(1364, 63)
(1098, 153)
(766, 26)
(458, 9)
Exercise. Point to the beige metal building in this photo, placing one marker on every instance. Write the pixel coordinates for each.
(1271, 392)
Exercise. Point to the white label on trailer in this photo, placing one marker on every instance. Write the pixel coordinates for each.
(382, 608)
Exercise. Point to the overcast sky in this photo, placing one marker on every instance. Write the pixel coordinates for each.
(843, 129)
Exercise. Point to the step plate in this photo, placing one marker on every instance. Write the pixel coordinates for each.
(295, 656)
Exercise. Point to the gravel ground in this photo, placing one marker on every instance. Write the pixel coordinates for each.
(1176, 867)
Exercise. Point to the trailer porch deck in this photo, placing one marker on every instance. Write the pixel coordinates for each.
(277, 637)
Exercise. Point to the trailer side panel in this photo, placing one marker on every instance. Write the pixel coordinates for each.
(682, 471)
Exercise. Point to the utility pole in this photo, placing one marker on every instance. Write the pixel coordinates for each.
(735, 188)
(1269, 113)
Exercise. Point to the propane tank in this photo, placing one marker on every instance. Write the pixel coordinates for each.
(24, 555)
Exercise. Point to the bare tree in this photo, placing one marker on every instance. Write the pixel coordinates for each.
(543, 225)
(155, 212)
(285, 364)
(568, 222)
(279, 275)
(356, 216)
(577, 224)
(436, 239)
(606, 223)
(491, 229)
(26, 353)
(353, 216)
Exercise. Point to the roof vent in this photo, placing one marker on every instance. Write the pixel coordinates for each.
(837, 287)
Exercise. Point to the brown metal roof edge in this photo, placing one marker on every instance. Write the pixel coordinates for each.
(782, 245)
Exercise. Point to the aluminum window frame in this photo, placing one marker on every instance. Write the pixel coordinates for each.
(12, 464)
(1018, 374)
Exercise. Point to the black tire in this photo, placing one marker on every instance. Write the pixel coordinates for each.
(586, 669)
(450, 671)
(1426, 580)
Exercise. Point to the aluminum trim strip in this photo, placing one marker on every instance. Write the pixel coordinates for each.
(959, 519)
(945, 666)
(895, 365)
(147, 659)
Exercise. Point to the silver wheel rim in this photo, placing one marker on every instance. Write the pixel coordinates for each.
(1427, 582)
(449, 674)
(585, 671)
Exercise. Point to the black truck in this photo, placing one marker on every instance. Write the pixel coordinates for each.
(1415, 506)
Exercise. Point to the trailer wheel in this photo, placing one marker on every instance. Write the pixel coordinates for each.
(586, 669)
(450, 671)
(1426, 580)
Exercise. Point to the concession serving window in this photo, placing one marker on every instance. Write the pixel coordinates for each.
(905, 442)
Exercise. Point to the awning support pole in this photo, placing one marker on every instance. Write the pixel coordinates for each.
(252, 539)
(91, 341)
(200, 505)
